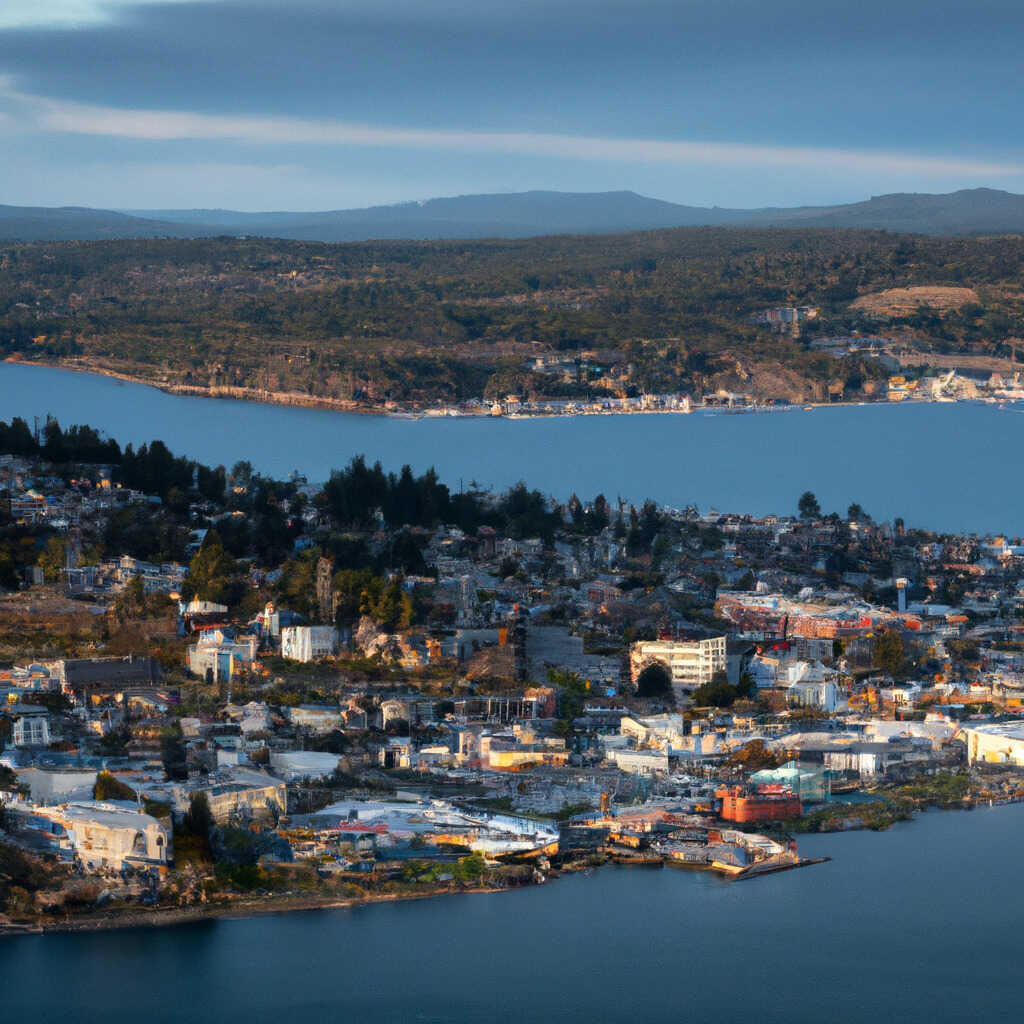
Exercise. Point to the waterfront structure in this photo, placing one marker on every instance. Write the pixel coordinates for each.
(99, 834)
(802, 781)
(769, 803)
(995, 743)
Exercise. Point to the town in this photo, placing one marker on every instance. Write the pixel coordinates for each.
(223, 692)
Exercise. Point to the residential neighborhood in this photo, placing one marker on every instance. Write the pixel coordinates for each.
(378, 700)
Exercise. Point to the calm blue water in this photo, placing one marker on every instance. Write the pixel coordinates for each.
(952, 467)
(919, 924)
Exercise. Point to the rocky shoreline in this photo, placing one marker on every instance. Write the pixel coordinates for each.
(163, 917)
(294, 399)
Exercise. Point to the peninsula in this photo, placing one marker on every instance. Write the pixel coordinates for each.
(225, 693)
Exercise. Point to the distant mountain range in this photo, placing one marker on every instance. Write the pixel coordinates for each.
(521, 215)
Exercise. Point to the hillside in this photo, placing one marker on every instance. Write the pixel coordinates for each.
(516, 215)
(79, 223)
(520, 215)
(421, 323)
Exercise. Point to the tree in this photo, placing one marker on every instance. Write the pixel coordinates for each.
(198, 818)
(210, 571)
(654, 681)
(746, 687)
(241, 474)
(109, 787)
(856, 513)
(51, 560)
(719, 693)
(753, 756)
(172, 752)
(567, 680)
(598, 516)
(130, 603)
(808, 506)
(888, 653)
(388, 605)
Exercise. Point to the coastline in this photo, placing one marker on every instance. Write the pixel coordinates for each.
(294, 399)
(135, 917)
(895, 806)
(257, 395)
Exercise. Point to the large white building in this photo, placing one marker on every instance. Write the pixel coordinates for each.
(995, 743)
(101, 834)
(307, 643)
(691, 663)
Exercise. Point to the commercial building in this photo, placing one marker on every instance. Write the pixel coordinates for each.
(639, 762)
(995, 743)
(740, 806)
(232, 792)
(99, 834)
(220, 654)
(691, 663)
(808, 784)
(307, 643)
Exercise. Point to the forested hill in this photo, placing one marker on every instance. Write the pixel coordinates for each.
(520, 215)
(79, 223)
(427, 322)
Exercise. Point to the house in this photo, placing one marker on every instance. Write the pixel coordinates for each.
(639, 762)
(821, 695)
(220, 653)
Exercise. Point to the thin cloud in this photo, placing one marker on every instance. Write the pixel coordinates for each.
(156, 125)
(67, 13)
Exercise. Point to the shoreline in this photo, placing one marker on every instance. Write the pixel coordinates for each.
(168, 917)
(293, 399)
(247, 906)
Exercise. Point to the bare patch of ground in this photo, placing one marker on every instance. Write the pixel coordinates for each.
(900, 301)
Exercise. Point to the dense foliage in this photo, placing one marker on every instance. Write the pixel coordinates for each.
(427, 321)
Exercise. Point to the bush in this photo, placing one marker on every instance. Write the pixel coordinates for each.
(109, 787)
(654, 681)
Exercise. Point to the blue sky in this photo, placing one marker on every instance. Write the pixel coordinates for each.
(320, 104)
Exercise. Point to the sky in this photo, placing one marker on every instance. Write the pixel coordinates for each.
(332, 104)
